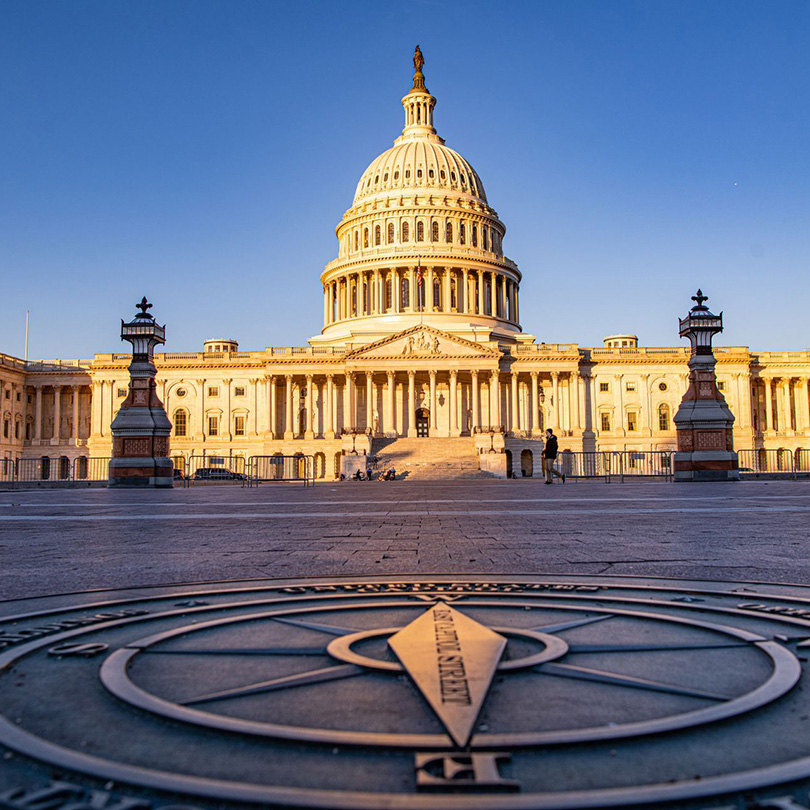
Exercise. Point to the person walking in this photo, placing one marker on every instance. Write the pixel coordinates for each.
(550, 456)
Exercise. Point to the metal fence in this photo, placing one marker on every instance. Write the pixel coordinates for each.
(774, 462)
(616, 465)
(208, 469)
(268, 469)
(61, 470)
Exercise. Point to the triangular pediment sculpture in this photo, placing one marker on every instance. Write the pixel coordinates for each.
(422, 342)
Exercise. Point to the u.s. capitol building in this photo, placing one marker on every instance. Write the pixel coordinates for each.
(422, 357)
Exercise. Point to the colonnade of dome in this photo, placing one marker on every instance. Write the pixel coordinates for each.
(420, 242)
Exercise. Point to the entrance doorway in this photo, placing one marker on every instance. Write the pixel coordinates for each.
(423, 423)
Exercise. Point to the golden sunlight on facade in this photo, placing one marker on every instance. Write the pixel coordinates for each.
(422, 356)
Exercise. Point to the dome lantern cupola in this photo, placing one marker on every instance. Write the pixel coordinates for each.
(418, 104)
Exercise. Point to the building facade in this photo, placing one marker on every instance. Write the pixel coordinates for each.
(422, 355)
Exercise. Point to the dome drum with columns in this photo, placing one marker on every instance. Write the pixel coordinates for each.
(399, 361)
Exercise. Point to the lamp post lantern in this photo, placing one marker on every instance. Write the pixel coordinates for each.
(140, 430)
(704, 421)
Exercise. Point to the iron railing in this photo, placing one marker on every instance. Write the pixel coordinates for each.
(59, 470)
(774, 462)
(616, 464)
(269, 469)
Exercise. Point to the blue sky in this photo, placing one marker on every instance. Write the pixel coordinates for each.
(202, 152)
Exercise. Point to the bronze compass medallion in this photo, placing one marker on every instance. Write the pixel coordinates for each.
(536, 692)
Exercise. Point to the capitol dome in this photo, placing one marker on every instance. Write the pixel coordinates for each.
(420, 243)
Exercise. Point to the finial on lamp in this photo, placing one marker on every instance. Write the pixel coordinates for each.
(700, 298)
(143, 306)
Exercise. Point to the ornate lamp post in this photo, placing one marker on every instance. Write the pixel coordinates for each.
(141, 428)
(704, 422)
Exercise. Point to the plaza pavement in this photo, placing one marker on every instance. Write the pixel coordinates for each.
(60, 541)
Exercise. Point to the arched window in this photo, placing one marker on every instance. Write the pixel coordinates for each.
(453, 294)
(388, 293)
(462, 234)
(420, 231)
(365, 237)
(365, 297)
(405, 291)
(434, 232)
(377, 235)
(437, 294)
(663, 417)
(448, 232)
(485, 238)
(180, 422)
(354, 299)
(475, 235)
(390, 233)
(357, 240)
(405, 232)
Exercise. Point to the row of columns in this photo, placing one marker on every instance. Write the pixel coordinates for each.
(784, 402)
(343, 297)
(59, 392)
(512, 418)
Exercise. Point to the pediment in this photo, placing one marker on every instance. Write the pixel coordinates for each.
(423, 342)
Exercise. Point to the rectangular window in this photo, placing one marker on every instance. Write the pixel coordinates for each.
(16, 430)
(122, 392)
(8, 394)
(604, 386)
(213, 425)
(213, 391)
(6, 425)
(239, 426)
(721, 386)
(606, 421)
(18, 396)
(239, 391)
(631, 420)
(630, 386)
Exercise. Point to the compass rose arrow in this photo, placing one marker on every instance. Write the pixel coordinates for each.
(452, 660)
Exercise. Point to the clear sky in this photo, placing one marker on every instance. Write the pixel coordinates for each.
(201, 152)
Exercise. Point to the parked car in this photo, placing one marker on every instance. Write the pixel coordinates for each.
(217, 474)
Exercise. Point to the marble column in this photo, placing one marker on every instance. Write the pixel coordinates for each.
(515, 416)
(768, 404)
(476, 410)
(390, 419)
(288, 408)
(329, 408)
(555, 396)
(573, 382)
(432, 402)
(535, 403)
(57, 414)
(411, 403)
(480, 278)
(369, 401)
(454, 428)
(75, 431)
(38, 414)
(786, 386)
(495, 400)
(446, 299)
(310, 433)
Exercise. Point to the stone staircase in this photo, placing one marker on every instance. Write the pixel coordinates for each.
(426, 459)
